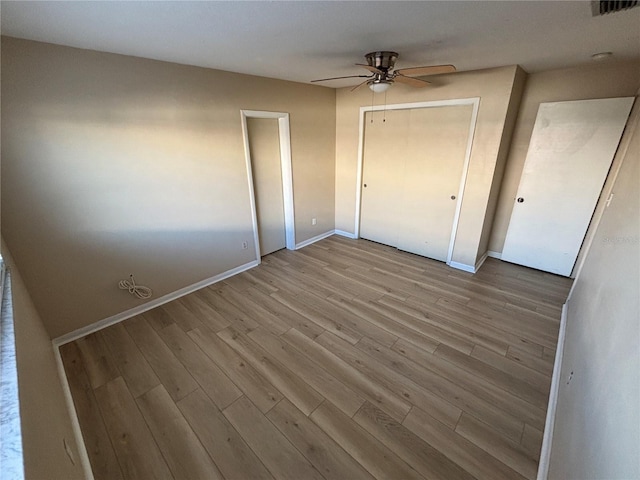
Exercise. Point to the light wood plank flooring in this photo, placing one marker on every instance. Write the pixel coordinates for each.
(344, 360)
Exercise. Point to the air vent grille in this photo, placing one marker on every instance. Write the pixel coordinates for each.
(602, 7)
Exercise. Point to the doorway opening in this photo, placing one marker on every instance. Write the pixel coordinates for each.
(257, 176)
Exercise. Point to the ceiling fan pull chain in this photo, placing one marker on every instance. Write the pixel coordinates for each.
(384, 112)
(372, 94)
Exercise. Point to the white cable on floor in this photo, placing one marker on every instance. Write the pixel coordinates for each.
(137, 290)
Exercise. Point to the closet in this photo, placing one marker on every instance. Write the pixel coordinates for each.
(414, 164)
(264, 148)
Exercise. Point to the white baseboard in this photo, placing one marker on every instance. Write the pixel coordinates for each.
(547, 439)
(73, 416)
(322, 236)
(469, 268)
(481, 261)
(493, 254)
(342, 233)
(99, 325)
(315, 239)
(462, 266)
(106, 322)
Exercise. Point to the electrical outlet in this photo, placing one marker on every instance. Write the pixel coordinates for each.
(245, 245)
(313, 221)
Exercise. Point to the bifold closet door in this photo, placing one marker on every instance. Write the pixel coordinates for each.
(383, 175)
(264, 149)
(413, 164)
(435, 154)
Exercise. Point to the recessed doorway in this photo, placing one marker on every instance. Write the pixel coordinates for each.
(268, 158)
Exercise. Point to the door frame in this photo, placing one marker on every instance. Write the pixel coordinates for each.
(474, 101)
(286, 170)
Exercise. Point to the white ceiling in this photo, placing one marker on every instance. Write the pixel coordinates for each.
(304, 40)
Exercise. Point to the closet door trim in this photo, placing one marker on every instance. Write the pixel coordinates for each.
(474, 101)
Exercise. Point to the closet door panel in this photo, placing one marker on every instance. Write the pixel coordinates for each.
(383, 174)
(435, 153)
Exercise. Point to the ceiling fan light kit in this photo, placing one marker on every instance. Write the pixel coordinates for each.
(379, 86)
(381, 66)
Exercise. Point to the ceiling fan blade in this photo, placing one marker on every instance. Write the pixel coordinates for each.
(338, 78)
(369, 67)
(358, 86)
(432, 70)
(414, 82)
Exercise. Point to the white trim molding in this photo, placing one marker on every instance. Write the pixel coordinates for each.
(493, 254)
(104, 323)
(469, 268)
(481, 261)
(119, 317)
(547, 439)
(342, 233)
(462, 266)
(315, 239)
(73, 416)
(284, 132)
(475, 102)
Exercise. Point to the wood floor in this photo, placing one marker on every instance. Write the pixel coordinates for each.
(344, 360)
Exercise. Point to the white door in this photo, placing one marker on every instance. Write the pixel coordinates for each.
(264, 149)
(437, 143)
(384, 158)
(412, 170)
(571, 150)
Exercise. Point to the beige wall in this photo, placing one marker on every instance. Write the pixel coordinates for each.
(43, 412)
(604, 80)
(597, 426)
(494, 87)
(115, 165)
(503, 153)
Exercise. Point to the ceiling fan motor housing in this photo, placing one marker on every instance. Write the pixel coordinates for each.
(382, 60)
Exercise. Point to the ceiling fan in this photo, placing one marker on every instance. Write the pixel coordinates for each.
(381, 65)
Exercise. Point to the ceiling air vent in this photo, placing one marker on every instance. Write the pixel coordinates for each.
(602, 7)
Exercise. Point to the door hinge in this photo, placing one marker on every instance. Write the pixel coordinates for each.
(606, 205)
